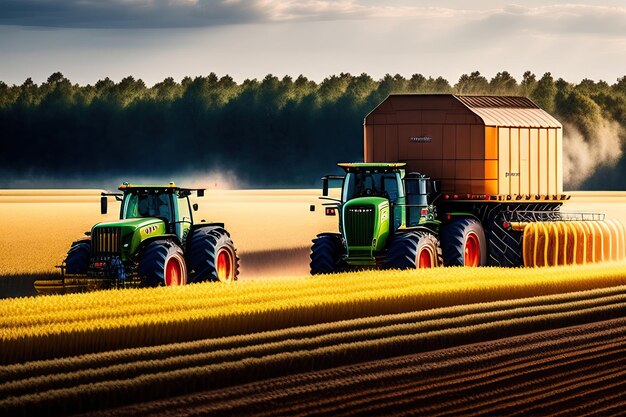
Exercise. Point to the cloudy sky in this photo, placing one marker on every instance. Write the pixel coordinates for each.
(88, 40)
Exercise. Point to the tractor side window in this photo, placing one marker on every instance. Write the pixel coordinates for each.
(145, 206)
(184, 213)
(348, 187)
(390, 187)
(132, 207)
(164, 206)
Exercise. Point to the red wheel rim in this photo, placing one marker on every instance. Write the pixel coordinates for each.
(425, 259)
(173, 272)
(472, 250)
(224, 265)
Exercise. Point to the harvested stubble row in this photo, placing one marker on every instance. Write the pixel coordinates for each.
(113, 378)
(577, 370)
(59, 326)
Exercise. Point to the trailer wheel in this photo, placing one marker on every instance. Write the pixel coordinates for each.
(77, 260)
(414, 250)
(505, 246)
(463, 243)
(162, 263)
(212, 255)
(326, 254)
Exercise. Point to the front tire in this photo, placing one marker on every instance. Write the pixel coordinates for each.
(77, 260)
(162, 263)
(463, 243)
(212, 255)
(413, 250)
(326, 254)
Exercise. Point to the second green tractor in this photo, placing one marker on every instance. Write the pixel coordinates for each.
(391, 219)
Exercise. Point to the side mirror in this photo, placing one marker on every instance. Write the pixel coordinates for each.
(200, 193)
(195, 206)
(103, 205)
(325, 187)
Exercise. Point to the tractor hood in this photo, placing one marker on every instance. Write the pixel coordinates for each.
(145, 225)
(131, 233)
(366, 227)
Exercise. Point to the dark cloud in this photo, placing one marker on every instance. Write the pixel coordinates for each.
(469, 23)
(129, 13)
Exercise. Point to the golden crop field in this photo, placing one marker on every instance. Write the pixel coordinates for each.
(272, 229)
(60, 325)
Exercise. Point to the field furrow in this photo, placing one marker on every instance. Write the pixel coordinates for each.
(239, 348)
(537, 373)
(78, 383)
(438, 390)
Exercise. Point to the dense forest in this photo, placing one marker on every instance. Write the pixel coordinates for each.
(268, 133)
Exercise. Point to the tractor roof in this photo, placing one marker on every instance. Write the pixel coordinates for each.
(169, 187)
(367, 166)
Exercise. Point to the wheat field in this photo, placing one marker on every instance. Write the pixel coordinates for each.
(269, 226)
(272, 229)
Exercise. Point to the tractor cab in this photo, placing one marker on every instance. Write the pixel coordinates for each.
(169, 203)
(410, 196)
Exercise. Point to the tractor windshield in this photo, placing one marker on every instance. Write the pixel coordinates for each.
(366, 184)
(147, 205)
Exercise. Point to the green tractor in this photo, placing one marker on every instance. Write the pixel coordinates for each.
(391, 219)
(155, 242)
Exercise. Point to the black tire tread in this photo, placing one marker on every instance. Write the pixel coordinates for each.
(78, 257)
(152, 261)
(326, 254)
(505, 247)
(402, 253)
(203, 247)
(453, 241)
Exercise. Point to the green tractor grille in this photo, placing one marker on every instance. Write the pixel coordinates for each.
(359, 225)
(106, 242)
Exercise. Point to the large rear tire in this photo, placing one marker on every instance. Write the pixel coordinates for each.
(77, 260)
(162, 263)
(463, 243)
(326, 254)
(212, 255)
(413, 250)
(505, 246)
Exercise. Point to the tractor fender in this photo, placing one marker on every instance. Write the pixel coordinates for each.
(411, 229)
(145, 242)
(82, 239)
(331, 234)
(201, 225)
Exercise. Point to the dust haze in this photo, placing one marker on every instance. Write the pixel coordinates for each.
(209, 179)
(583, 155)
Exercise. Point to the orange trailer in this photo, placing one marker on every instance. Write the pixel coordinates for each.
(479, 145)
(499, 160)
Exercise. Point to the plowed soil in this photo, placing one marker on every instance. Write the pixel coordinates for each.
(576, 370)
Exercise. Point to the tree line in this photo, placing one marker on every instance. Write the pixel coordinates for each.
(270, 132)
